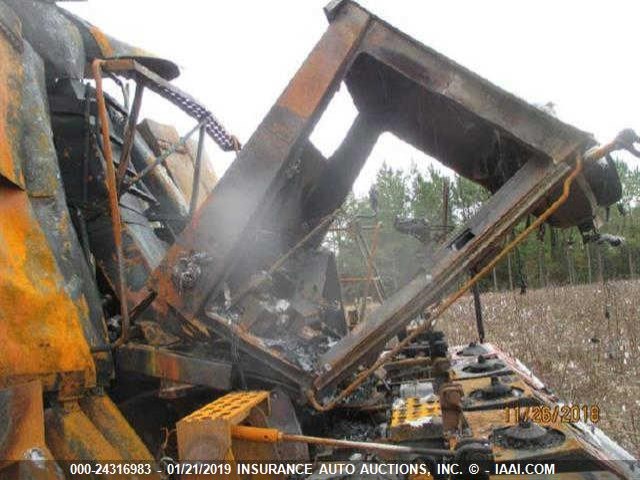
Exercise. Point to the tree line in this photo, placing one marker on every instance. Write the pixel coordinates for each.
(439, 203)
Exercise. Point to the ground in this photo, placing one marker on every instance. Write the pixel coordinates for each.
(566, 337)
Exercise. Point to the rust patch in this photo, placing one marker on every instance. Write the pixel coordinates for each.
(11, 73)
(71, 435)
(22, 410)
(310, 85)
(103, 42)
(39, 323)
(106, 417)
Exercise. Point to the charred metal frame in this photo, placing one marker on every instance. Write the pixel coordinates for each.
(169, 365)
(264, 167)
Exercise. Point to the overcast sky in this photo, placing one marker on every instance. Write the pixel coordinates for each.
(237, 57)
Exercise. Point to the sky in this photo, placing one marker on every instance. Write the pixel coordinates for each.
(237, 56)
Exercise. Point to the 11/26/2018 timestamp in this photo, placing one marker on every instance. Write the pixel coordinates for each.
(553, 414)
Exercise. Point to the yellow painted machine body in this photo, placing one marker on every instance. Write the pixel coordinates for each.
(52, 330)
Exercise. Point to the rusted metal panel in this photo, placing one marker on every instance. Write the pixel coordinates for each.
(68, 42)
(100, 45)
(44, 266)
(283, 417)
(319, 288)
(22, 425)
(40, 466)
(71, 435)
(55, 38)
(39, 323)
(43, 183)
(11, 79)
(106, 417)
(142, 250)
(175, 366)
(96, 432)
(23, 452)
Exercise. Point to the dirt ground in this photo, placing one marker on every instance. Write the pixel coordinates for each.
(565, 336)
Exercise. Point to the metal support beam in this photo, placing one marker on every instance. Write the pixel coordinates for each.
(175, 366)
(364, 250)
(197, 169)
(114, 208)
(370, 271)
(129, 135)
(343, 168)
(477, 305)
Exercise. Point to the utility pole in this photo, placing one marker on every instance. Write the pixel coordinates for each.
(589, 274)
(445, 206)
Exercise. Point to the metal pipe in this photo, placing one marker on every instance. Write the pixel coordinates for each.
(87, 145)
(365, 291)
(364, 249)
(366, 446)
(197, 169)
(114, 209)
(129, 135)
(84, 236)
(411, 362)
(272, 435)
(355, 279)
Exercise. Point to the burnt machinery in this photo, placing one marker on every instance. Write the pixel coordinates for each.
(129, 272)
